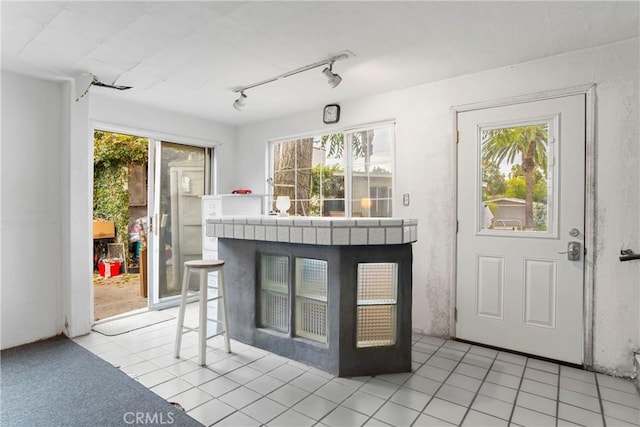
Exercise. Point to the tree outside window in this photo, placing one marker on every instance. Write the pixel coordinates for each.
(514, 171)
(336, 174)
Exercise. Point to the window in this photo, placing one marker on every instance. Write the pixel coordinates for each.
(346, 173)
(517, 185)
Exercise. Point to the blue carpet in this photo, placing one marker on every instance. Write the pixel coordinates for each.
(57, 382)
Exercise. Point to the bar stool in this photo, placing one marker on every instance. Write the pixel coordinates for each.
(204, 267)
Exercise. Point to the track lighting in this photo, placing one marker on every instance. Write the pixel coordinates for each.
(239, 103)
(333, 78)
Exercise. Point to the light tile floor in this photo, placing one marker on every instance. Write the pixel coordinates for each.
(452, 383)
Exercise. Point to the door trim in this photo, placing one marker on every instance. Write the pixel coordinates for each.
(589, 91)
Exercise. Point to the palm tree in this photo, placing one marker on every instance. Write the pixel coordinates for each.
(528, 143)
(361, 142)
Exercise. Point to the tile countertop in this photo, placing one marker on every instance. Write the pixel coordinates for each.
(315, 230)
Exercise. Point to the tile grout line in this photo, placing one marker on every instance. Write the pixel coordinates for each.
(557, 400)
(289, 407)
(436, 391)
(371, 417)
(262, 395)
(478, 390)
(242, 385)
(265, 396)
(443, 382)
(599, 398)
(157, 343)
(604, 420)
(285, 383)
(239, 385)
(338, 404)
(598, 387)
(515, 399)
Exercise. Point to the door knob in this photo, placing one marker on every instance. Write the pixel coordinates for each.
(573, 251)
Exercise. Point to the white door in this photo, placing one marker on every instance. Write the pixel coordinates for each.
(521, 190)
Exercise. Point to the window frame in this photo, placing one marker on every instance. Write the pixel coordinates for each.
(348, 156)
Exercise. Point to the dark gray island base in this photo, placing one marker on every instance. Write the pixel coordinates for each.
(345, 309)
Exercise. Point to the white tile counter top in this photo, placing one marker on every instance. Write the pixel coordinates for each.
(315, 230)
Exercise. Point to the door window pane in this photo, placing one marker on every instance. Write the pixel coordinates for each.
(517, 178)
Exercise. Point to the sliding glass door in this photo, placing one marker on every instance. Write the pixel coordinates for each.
(181, 177)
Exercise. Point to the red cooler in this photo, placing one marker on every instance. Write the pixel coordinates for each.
(109, 269)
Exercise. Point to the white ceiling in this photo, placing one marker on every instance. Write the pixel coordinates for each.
(188, 56)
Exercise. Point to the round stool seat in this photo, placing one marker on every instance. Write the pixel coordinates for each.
(204, 263)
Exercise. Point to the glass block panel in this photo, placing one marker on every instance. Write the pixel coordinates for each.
(311, 319)
(377, 299)
(311, 278)
(311, 299)
(274, 311)
(275, 273)
(376, 325)
(274, 292)
(377, 283)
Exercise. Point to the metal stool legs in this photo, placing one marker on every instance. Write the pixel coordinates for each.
(204, 267)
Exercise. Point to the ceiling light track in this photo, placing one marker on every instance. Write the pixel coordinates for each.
(333, 78)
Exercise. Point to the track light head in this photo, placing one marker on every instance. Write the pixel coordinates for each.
(240, 103)
(333, 78)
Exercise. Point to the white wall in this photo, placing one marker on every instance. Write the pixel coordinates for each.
(171, 126)
(31, 209)
(77, 185)
(424, 150)
(46, 197)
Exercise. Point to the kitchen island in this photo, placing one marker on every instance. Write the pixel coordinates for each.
(334, 293)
